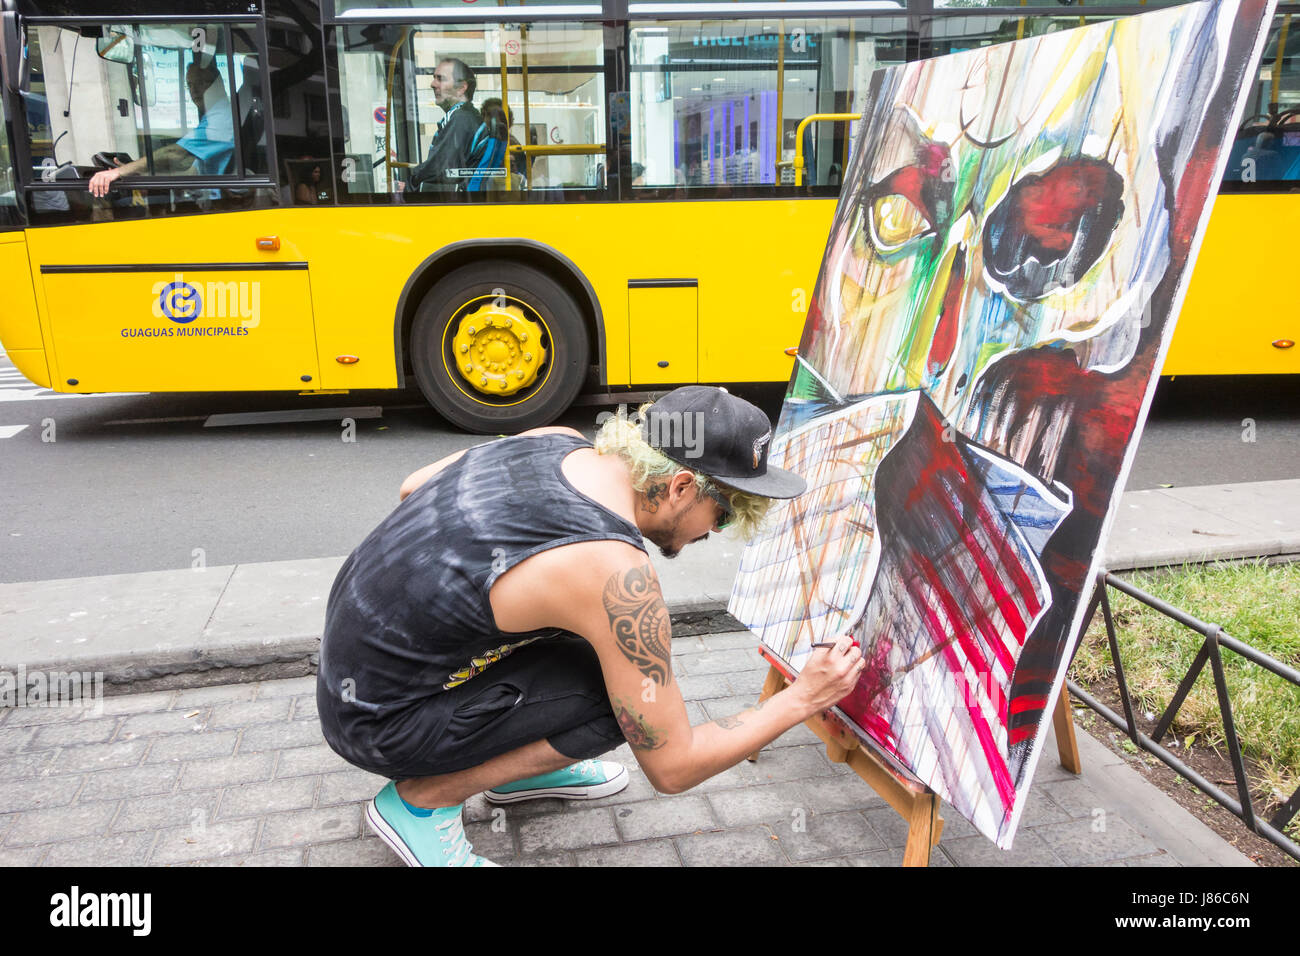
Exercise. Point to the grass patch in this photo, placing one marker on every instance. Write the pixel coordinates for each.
(1256, 603)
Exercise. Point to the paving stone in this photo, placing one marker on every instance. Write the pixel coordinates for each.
(290, 856)
(748, 683)
(22, 855)
(792, 763)
(493, 843)
(128, 782)
(283, 735)
(192, 746)
(304, 760)
(368, 851)
(827, 835)
(73, 733)
(349, 786)
(213, 840)
(291, 687)
(894, 857)
(638, 788)
(226, 771)
(1029, 850)
(37, 793)
(542, 859)
(893, 828)
(60, 823)
(750, 846)
(121, 849)
(187, 808)
(241, 713)
(40, 715)
(15, 739)
(1041, 809)
(1156, 859)
(122, 753)
(312, 826)
(273, 796)
(170, 722)
(1079, 842)
(1075, 797)
(772, 804)
(138, 703)
(664, 816)
(719, 662)
(744, 640)
(644, 853)
(17, 766)
(568, 831)
(218, 694)
(304, 707)
(835, 861)
(704, 686)
(839, 792)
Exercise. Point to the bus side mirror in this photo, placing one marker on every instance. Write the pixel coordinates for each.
(115, 47)
(144, 87)
(13, 53)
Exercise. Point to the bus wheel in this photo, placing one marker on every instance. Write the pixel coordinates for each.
(499, 347)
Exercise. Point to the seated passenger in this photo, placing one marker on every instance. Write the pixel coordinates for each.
(204, 151)
(453, 90)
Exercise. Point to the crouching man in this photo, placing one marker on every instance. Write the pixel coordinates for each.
(504, 625)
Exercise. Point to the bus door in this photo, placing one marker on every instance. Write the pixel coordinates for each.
(168, 272)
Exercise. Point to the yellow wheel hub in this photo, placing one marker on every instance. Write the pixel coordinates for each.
(498, 349)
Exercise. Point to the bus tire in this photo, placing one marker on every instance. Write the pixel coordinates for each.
(528, 291)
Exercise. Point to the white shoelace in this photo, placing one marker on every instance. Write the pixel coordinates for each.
(455, 835)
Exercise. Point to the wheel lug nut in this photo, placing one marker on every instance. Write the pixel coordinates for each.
(468, 367)
(470, 330)
(463, 348)
(483, 380)
(528, 356)
(523, 336)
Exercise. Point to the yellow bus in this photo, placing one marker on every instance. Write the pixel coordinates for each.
(633, 223)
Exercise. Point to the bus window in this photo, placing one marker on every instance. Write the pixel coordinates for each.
(435, 113)
(1266, 152)
(10, 212)
(719, 102)
(154, 100)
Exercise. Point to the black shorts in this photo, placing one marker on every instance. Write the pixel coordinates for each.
(550, 690)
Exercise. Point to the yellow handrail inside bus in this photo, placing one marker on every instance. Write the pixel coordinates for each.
(564, 149)
(798, 162)
(388, 105)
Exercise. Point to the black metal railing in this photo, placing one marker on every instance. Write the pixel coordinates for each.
(1215, 638)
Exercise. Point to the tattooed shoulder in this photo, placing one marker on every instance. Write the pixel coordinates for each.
(639, 621)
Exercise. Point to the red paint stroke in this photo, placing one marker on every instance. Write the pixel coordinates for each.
(945, 333)
(1051, 208)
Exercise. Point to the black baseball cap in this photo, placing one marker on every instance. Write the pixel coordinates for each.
(713, 432)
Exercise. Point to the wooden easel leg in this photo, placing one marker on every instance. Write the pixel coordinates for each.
(921, 834)
(1066, 743)
(775, 682)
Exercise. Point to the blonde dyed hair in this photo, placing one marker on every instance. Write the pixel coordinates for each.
(621, 436)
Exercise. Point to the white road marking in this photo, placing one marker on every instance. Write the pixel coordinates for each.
(9, 431)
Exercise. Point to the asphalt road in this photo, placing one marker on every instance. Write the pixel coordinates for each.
(110, 484)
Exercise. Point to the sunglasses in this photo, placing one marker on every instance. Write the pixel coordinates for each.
(727, 512)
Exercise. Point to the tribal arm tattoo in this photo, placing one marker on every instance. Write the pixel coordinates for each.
(639, 734)
(639, 621)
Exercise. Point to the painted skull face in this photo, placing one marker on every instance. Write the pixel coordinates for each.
(1019, 213)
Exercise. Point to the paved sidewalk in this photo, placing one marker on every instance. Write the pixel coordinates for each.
(239, 775)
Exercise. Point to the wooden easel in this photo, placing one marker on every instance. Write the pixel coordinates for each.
(912, 800)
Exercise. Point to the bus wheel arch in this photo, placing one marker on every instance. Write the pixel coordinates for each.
(528, 252)
(499, 345)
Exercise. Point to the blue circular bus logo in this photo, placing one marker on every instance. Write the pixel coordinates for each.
(180, 302)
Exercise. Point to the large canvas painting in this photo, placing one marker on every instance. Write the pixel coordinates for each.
(1007, 259)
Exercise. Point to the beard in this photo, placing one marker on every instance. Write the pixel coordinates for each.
(664, 539)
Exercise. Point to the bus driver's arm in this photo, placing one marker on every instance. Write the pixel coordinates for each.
(168, 159)
(631, 635)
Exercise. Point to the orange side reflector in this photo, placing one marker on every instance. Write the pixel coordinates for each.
(347, 359)
(1284, 343)
(268, 243)
(793, 350)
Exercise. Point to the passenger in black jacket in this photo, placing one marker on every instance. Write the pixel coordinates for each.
(453, 90)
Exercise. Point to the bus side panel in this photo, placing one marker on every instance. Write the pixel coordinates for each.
(1241, 299)
(20, 326)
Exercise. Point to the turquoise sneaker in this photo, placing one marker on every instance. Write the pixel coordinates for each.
(437, 840)
(585, 780)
